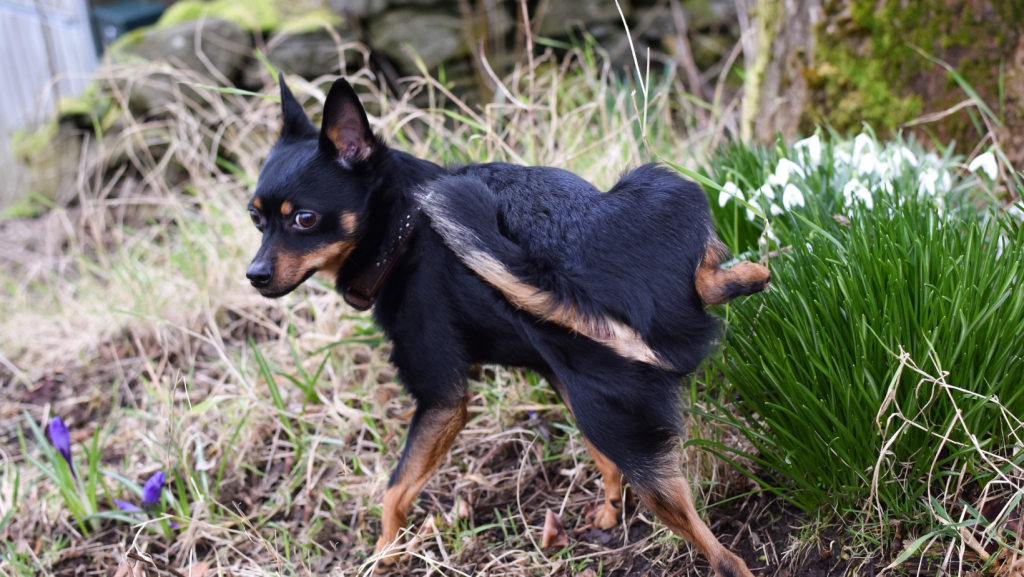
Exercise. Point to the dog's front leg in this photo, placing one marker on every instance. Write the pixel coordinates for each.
(431, 434)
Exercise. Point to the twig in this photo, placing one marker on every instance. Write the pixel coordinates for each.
(155, 563)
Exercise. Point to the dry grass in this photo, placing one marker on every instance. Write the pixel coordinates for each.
(125, 310)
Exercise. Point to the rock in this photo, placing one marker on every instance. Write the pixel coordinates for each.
(224, 44)
(434, 36)
(309, 55)
(358, 8)
(562, 14)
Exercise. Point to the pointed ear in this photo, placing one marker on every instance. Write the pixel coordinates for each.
(296, 123)
(345, 132)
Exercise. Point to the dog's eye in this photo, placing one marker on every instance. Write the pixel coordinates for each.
(256, 217)
(305, 219)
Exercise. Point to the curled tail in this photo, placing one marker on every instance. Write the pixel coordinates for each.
(463, 211)
(717, 286)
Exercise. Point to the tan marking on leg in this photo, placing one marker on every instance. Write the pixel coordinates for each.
(256, 202)
(349, 220)
(717, 286)
(608, 516)
(433, 439)
(670, 501)
(286, 208)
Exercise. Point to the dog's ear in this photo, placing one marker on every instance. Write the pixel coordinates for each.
(345, 133)
(296, 123)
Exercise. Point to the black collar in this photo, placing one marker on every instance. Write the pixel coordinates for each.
(362, 291)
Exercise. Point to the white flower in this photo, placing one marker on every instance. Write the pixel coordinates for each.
(1001, 243)
(986, 162)
(841, 157)
(728, 191)
(792, 197)
(886, 185)
(812, 147)
(782, 171)
(765, 190)
(946, 182)
(776, 209)
(855, 190)
(867, 164)
(1015, 212)
(927, 181)
(908, 155)
(860, 143)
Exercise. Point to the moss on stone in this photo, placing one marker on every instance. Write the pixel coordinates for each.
(867, 69)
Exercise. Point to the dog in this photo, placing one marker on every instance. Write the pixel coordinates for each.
(602, 293)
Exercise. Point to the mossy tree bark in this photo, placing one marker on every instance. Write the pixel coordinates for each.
(847, 62)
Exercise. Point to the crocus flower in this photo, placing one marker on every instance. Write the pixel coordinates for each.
(986, 162)
(125, 506)
(151, 491)
(61, 440)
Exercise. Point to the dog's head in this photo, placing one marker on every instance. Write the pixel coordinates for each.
(312, 193)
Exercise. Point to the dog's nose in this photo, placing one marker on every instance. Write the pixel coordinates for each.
(259, 274)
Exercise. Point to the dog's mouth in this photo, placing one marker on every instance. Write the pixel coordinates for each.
(274, 292)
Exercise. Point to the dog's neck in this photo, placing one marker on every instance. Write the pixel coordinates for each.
(390, 226)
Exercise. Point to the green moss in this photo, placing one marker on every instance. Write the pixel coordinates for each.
(867, 69)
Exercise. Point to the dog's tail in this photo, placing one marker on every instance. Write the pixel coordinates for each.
(717, 285)
(463, 211)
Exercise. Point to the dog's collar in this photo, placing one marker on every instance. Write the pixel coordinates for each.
(363, 290)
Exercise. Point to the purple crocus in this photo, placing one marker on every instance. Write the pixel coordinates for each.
(125, 506)
(151, 491)
(61, 439)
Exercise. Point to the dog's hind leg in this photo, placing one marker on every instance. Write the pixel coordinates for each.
(668, 497)
(608, 515)
(431, 434)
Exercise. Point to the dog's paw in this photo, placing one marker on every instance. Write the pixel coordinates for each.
(607, 517)
(390, 556)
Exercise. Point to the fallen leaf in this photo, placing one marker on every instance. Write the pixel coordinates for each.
(198, 570)
(588, 572)
(554, 533)
(841, 219)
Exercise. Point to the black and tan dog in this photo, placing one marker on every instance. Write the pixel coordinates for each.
(602, 293)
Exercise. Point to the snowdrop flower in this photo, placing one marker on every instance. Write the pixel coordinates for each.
(1015, 212)
(783, 170)
(1001, 243)
(792, 197)
(812, 147)
(908, 156)
(986, 162)
(855, 190)
(927, 181)
(729, 191)
(776, 209)
(767, 191)
(842, 157)
(886, 185)
(946, 182)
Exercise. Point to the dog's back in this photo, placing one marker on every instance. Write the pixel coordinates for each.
(620, 266)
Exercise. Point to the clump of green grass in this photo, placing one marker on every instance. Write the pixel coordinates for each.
(881, 260)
